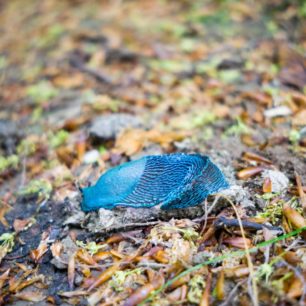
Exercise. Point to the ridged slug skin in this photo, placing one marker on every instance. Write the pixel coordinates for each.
(171, 180)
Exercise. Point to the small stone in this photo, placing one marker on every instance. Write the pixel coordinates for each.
(107, 127)
(91, 156)
(279, 111)
(278, 179)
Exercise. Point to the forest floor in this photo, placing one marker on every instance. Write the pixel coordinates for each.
(88, 85)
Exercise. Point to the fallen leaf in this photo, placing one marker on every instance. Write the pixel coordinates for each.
(220, 286)
(249, 172)
(267, 185)
(296, 288)
(206, 294)
(21, 225)
(4, 208)
(56, 248)
(71, 271)
(42, 248)
(295, 218)
(238, 242)
(250, 156)
(132, 141)
(3, 277)
(30, 296)
(301, 191)
(143, 292)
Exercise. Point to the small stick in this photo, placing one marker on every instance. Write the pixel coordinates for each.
(223, 222)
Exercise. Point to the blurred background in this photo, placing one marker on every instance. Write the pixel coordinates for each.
(87, 85)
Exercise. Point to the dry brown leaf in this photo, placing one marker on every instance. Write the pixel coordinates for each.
(3, 277)
(71, 271)
(238, 271)
(85, 257)
(20, 225)
(3, 251)
(249, 172)
(299, 118)
(238, 242)
(4, 208)
(20, 284)
(30, 296)
(69, 294)
(220, 286)
(56, 248)
(295, 218)
(42, 248)
(301, 191)
(206, 294)
(143, 292)
(250, 156)
(69, 81)
(267, 185)
(296, 288)
(132, 141)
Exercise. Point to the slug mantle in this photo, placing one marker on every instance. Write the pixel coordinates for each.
(171, 180)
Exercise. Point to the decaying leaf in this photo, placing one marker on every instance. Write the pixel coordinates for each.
(30, 296)
(143, 292)
(238, 242)
(132, 141)
(56, 248)
(37, 254)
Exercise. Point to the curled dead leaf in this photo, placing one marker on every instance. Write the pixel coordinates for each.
(249, 172)
(250, 156)
(267, 185)
(295, 218)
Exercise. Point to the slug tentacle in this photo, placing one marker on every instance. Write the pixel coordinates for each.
(171, 180)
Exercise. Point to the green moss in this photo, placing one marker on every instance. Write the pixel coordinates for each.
(42, 92)
(169, 65)
(229, 76)
(7, 241)
(51, 37)
(239, 128)
(41, 187)
(119, 278)
(11, 161)
(26, 147)
(59, 138)
(196, 286)
(203, 118)
(294, 137)
(91, 247)
(3, 62)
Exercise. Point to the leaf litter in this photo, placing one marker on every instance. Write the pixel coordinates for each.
(226, 79)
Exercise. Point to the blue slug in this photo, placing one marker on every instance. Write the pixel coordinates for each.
(173, 180)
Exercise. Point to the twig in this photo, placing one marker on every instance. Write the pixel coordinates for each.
(223, 222)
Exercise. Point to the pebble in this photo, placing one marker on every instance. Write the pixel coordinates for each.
(91, 156)
(107, 127)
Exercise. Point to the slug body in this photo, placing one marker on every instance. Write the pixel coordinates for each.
(172, 181)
